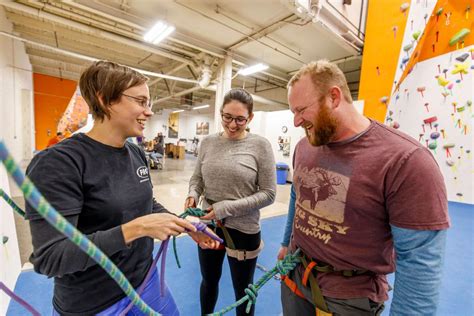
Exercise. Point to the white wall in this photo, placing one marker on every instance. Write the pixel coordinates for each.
(10, 264)
(186, 129)
(269, 125)
(16, 129)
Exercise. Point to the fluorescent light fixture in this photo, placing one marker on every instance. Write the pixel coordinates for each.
(178, 111)
(201, 107)
(252, 69)
(158, 32)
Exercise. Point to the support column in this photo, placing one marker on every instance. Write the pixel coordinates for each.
(224, 84)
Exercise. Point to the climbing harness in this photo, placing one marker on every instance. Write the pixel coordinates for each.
(231, 250)
(311, 268)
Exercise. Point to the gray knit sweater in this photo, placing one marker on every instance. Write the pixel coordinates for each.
(237, 177)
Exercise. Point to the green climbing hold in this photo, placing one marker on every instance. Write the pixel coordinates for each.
(4, 239)
(416, 35)
(459, 36)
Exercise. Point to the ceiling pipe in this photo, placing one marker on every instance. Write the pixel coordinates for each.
(238, 31)
(257, 98)
(259, 34)
(172, 39)
(127, 33)
(178, 94)
(92, 59)
(91, 30)
(54, 18)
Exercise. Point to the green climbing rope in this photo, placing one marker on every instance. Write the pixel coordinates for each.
(49, 213)
(283, 267)
(10, 202)
(190, 211)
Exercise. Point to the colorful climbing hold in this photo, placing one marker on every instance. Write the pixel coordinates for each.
(459, 36)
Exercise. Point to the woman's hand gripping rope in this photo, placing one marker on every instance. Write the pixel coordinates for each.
(204, 237)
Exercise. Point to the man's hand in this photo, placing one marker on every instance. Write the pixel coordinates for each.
(282, 252)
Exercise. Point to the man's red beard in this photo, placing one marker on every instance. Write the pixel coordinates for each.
(325, 127)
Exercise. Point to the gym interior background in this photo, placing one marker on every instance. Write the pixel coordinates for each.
(408, 64)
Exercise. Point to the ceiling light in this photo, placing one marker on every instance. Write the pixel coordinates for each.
(252, 69)
(158, 32)
(178, 111)
(201, 107)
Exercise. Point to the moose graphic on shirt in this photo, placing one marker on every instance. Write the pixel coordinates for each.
(322, 192)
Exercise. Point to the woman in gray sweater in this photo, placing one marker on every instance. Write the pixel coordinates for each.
(235, 175)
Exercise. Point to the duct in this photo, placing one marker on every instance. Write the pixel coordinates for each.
(91, 30)
(205, 76)
(92, 59)
(203, 82)
(318, 14)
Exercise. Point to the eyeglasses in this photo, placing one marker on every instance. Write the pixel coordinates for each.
(144, 103)
(239, 120)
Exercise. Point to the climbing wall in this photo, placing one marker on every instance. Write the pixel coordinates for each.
(9, 254)
(75, 116)
(432, 98)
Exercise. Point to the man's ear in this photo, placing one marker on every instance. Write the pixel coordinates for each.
(335, 94)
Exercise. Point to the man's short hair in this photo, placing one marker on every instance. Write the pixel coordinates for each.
(324, 75)
(107, 80)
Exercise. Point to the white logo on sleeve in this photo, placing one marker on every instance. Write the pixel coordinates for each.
(142, 173)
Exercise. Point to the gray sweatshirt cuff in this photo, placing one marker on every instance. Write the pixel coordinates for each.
(219, 210)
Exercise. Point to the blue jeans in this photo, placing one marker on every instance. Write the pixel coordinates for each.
(164, 305)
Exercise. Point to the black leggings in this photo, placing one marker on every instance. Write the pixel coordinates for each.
(241, 271)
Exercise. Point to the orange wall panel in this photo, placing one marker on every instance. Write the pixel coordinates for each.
(381, 51)
(51, 97)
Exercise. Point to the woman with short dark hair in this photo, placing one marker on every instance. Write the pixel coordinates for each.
(100, 183)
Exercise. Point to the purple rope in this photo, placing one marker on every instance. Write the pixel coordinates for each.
(162, 251)
(19, 300)
(202, 228)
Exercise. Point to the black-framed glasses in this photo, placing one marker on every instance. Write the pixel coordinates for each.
(144, 103)
(239, 120)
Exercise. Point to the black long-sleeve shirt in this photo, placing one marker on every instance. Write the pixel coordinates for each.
(97, 188)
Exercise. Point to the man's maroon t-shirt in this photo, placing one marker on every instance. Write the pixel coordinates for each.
(348, 194)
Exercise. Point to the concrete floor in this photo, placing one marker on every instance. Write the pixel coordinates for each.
(170, 189)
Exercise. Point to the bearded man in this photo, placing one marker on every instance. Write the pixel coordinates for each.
(370, 200)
